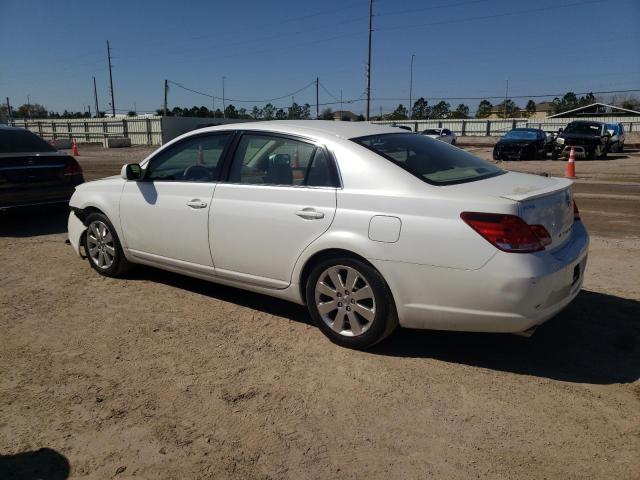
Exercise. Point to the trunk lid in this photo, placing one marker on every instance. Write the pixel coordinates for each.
(34, 176)
(545, 201)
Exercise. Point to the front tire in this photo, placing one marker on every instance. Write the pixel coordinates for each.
(350, 302)
(102, 247)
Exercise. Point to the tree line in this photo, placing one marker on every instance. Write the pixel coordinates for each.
(420, 110)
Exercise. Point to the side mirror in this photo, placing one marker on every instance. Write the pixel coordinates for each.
(131, 171)
(560, 130)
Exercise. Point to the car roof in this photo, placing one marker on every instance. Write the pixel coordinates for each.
(318, 128)
(7, 127)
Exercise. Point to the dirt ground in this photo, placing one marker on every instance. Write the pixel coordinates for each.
(163, 376)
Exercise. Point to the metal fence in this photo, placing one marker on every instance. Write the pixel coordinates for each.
(498, 127)
(141, 131)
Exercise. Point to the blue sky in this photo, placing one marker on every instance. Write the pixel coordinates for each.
(266, 49)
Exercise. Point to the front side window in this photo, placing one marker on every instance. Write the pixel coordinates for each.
(196, 159)
(434, 162)
(274, 160)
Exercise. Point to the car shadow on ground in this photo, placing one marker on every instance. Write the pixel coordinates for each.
(595, 340)
(34, 222)
(43, 464)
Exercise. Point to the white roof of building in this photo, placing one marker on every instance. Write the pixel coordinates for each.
(606, 105)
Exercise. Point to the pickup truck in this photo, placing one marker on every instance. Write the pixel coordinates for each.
(589, 139)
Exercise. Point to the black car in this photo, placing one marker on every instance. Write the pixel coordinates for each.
(34, 173)
(589, 139)
(522, 144)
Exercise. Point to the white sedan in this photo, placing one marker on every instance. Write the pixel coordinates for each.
(368, 226)
(442, 134)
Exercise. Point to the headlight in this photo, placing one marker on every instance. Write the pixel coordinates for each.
(560, 140)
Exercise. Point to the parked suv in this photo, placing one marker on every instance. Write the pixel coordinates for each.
(616, 130)
(589, 139)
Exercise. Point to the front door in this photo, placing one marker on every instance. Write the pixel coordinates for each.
(279, 197)
(165, 215)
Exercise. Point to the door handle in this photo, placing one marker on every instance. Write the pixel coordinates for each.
(197, 203)
(310, 214)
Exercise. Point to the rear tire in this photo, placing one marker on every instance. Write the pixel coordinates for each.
(350, 302)
(102, 247)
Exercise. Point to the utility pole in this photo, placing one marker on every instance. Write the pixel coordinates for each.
(113, 102)
(341, 101)
(369, 60)
(95, 97)
(9, 109)
(506, 95)
(317, 99)
(224, 106)
(28, 107)
(166, 92)
(411, 87)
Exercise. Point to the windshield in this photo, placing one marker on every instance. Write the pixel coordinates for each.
(521, 135)
(583, 128)
(432, 161)
(22, 141)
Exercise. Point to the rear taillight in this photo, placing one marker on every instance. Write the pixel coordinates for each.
(72, 167)
(576, 212)
(509, 233)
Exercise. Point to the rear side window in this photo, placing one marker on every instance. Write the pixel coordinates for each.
(22, 141)
(431, 161)
(275, 160)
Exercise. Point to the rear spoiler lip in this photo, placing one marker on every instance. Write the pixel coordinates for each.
(561, 184)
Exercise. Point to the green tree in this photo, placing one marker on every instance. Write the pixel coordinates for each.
(269, 112)
(420, 109)
(511, 110)
(400, 113)
(280, 114)
(326, 114)
(531, 107)
(305, 114)
(294, 111)
(132, 113)
(484, 109)
(461, 111)
(256, 113)
(440, 110)
(230, 111)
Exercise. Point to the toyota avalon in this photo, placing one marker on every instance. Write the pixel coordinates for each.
(368, 226)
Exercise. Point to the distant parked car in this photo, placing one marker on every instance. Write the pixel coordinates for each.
(32, 172)
(523, 144)
(442, 134)
(369, 226)
(616, 130)
(589, 139)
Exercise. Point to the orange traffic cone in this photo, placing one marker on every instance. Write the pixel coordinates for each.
(571, 165)
(75, 149)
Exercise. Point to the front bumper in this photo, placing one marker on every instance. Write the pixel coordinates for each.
(511, 293)
(76, 228)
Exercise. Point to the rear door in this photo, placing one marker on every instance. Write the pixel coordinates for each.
(279, 196)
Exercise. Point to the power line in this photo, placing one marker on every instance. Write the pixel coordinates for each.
(264, 100)
(486, 17)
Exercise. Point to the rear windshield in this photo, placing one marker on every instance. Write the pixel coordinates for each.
(522, 135)
(431, 132)
(432, 161)
(22, 141)
(584, 128)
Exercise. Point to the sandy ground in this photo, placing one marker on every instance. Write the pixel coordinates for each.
(162, 376)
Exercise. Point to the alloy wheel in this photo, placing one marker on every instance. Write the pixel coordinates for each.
(345, 300)
(100, 245)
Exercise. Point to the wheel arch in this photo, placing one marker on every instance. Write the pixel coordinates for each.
(326, 254)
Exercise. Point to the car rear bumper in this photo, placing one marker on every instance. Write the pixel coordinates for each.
(511, 293)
